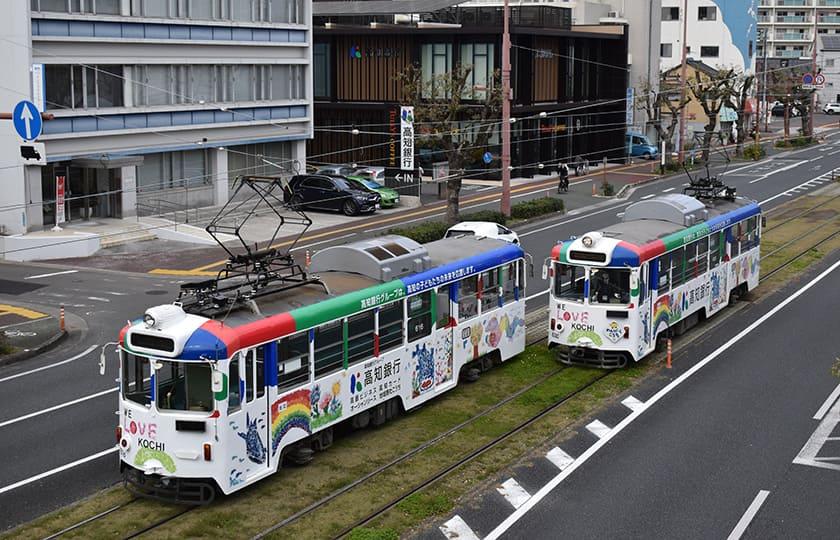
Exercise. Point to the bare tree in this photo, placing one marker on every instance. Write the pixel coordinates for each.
(741, 88)
(662, 108)
(441, 105)
(787, 90)
(712, 91)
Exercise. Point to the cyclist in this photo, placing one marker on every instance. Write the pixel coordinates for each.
(563, 171)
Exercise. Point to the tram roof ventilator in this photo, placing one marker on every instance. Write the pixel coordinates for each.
(384, 258)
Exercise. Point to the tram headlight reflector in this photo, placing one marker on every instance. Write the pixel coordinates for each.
(587, 241)
(208, 452)
(626, 332)
(119, 433)
(553, 323)
(148, 320)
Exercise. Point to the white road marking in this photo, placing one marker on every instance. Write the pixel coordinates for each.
(57, 470)
(828, 403)
(560, 458)
(81, 354)
(39, 276)
(669, 189)
(536, 295)
(748, 516)
(619, 214)
(632, 403)
(55, 407)
(325, 241)
(98, 299)
(600, 443)
(820, 436)
(774, 171)
(648, 196)
(457, 529)
(598, 428)
(745, 167)
(832, 153)
(610, 209)
(786, 192)
(513, 492)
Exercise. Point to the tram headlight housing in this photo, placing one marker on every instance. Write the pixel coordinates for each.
(587, 241)
(148, 320)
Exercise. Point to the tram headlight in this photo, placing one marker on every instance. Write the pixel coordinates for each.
(148, 320)
(125, 443)
(587, 241)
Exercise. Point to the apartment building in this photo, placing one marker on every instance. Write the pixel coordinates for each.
(790, 25)
(157, 104)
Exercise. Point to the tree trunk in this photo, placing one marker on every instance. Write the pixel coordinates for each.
(787, 123)
(453, 194)
(707, 138)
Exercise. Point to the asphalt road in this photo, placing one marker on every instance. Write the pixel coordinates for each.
(693, 464)
(64, 415)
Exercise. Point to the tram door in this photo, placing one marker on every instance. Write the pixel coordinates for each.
(444, 336)
(250, 422)
(645, 313)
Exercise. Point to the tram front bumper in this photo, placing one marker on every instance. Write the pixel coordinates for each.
(170, 489)
(584, 356)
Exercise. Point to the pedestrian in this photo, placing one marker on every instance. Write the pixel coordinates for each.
(563, 171)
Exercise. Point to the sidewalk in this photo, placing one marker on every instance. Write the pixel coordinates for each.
(27, 330)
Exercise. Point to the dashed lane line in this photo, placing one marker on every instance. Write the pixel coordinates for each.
(598, 428)
(505, 525)
(513, 493)
(457, 529)
(748, 516)
(39, 276)
(632, 403)
(56, 407)
(50, 366)
(828, 403)
(560, 458)
(57, 470)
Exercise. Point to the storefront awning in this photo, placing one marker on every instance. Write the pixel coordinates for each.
(106, 161)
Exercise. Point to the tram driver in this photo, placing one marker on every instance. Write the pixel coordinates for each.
(610, 286)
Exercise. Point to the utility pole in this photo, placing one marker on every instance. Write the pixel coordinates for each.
(506, 112)
(814, 73)
(764, 84)
(683, 69)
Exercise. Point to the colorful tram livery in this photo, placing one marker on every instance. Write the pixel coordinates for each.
(389, 323)
(672, 260)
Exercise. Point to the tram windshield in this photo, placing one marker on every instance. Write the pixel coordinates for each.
(568, 282)
(184, 386)
(609, 286)
(136, 377)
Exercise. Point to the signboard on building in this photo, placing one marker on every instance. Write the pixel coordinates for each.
(60, 185)
(38, 88)
(407, 138)
(629, 106)
(727, 114)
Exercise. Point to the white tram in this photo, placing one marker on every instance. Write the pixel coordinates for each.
(671, 261)
(214, 394)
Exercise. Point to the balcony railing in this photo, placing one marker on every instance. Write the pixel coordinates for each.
(792, 19)
(792, 36)
(790, 54)
(830, 19)
(829, 3)
(794, 3)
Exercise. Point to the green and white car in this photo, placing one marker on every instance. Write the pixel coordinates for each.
(390, 197)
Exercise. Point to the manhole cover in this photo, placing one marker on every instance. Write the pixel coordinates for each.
(156, 292)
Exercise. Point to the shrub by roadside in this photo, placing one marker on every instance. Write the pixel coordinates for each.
(794, 142)
(754, 152)
(434, 230)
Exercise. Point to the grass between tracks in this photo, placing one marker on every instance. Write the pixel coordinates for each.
(356, 454)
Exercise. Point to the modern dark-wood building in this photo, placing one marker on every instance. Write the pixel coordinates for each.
(577, 75)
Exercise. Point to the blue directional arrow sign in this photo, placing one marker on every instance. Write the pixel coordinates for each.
(487, 157)
(27, 120)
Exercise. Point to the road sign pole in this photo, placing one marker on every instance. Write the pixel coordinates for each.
(505, 206)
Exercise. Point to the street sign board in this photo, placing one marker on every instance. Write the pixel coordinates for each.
(38, 87)
(405, 182)
(807, 79)
(27, 120)
(629, 106)
(487, 158)
(60, 184)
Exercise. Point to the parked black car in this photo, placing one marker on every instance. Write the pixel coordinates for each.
(779, 110)
(325, 192)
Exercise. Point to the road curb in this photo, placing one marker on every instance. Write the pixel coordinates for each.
(20, 356)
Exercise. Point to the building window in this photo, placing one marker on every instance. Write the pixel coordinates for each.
(103, 7)
(173, 169)
(706, 13)
(665, 50)
(479, 58)
(265, 159)
(276, 11)
(708, 52)
(829, 62)
(84, 87)
(321, 70)
(435, 61)
(670, 14)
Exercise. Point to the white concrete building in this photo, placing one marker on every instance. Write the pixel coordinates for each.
(720, 33)
(158, 104)
(790, 25)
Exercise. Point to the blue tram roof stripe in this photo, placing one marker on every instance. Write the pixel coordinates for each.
(204, 343)
(746, 211)
(458, 269)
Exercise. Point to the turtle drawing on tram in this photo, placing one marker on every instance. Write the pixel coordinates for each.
(672, 261)
(219, 389)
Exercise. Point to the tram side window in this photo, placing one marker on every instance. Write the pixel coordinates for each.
(664, 263)
(234, 397)
(419, 315)
(293, 361)
(691, 264)
(752, 234)
(467, 298)
(259, 358)
(136, 373)
(391, 326)
(677, 267)
(508, 273)
(569, 282)
(443, 307)
(734, 240)
(329, 348)
(702, 256)
(489, 290)
(714, 250)
(360, 329)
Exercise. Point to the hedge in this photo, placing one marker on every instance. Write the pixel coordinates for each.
(434, 230)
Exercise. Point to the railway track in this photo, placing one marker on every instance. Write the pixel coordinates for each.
(537, 336)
